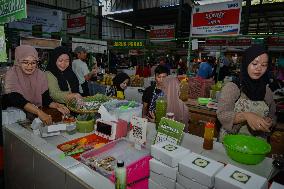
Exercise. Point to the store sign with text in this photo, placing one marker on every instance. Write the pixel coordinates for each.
(11, 10)
(228, 42)
(162, 32)
(76, 23)
(128, 44)
(216, 19)
(51, 20)
(275, 41)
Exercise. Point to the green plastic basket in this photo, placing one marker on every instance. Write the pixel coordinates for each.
(246, 149)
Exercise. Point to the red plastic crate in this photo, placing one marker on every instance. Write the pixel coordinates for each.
(199, 87)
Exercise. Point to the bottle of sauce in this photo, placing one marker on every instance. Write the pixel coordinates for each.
(184, 90)
(120, 175)
(208, 135)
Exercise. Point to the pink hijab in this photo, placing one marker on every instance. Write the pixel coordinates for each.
(30, 86)
(174, 104)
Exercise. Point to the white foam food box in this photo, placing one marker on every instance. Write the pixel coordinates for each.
(169, 153)
(162, 180)
(163, 169)
(276, 185)
(236, 178)
(179, 186)
(200, 169)
(154, 185)
(188, 183)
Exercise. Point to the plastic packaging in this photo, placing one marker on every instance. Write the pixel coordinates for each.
(184, 95)
(120, 175)
(208, 136)
(161, 109)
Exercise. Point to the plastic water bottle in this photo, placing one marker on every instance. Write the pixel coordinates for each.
(120, 175)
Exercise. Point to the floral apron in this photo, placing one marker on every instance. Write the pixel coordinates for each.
(243, 104)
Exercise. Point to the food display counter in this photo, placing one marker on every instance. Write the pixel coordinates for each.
(35, 162)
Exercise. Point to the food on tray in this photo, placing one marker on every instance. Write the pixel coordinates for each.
(66, 147)
(67, 119)
(107, 163)
(87, 104)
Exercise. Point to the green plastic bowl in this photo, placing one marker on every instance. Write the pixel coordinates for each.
(203, 101)
(246, 149)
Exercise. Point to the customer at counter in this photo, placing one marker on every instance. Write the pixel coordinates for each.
(205, 69)
(26, 86)
(62, 82)
(247, 106)
(120, 83)
(152, 93)
(81, 70)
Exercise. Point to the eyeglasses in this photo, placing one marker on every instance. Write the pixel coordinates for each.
(32, 63)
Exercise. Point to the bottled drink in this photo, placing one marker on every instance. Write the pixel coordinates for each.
(184, 90)
(208, 135)
(120, 175)
(161, 109)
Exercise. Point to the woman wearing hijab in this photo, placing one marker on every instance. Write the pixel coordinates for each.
(62, 82)
(174, 104)
(120, 83)
(26, 86)
(247, 106)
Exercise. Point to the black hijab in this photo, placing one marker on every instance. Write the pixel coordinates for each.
(63, 77)
(254, 89)
(118, 79)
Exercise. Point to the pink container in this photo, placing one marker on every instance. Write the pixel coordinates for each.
(143, 184)
(136, 161)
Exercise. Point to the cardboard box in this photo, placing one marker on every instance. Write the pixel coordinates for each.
(200, 169)
(236, 178)
(162, 180)
(161, 168)
(154, 185)
(178, 186)
(168, 153)
(188, 183)
(276, 185)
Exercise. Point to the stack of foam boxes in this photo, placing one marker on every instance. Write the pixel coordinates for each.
(236, 178)
(164, 165)
(198, 172)
(174, 167)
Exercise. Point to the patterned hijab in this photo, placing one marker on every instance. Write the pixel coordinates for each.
(30, 86)
(254, 89)
(63, 77)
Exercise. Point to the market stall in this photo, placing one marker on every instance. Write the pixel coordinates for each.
(41, 164)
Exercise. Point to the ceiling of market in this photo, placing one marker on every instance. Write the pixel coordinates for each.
(264, 16)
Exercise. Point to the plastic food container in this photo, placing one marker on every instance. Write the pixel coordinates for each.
(103, 160)
(92, 140)
(203, 101)
(246, 149)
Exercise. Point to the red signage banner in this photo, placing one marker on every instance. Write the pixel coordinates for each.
(76, 23)
(216, 19)
(223, 17)
(162, 32)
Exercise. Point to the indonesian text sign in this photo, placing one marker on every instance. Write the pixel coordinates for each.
(11, 10)
(162, 32)
(216, 19)
(135, 44)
